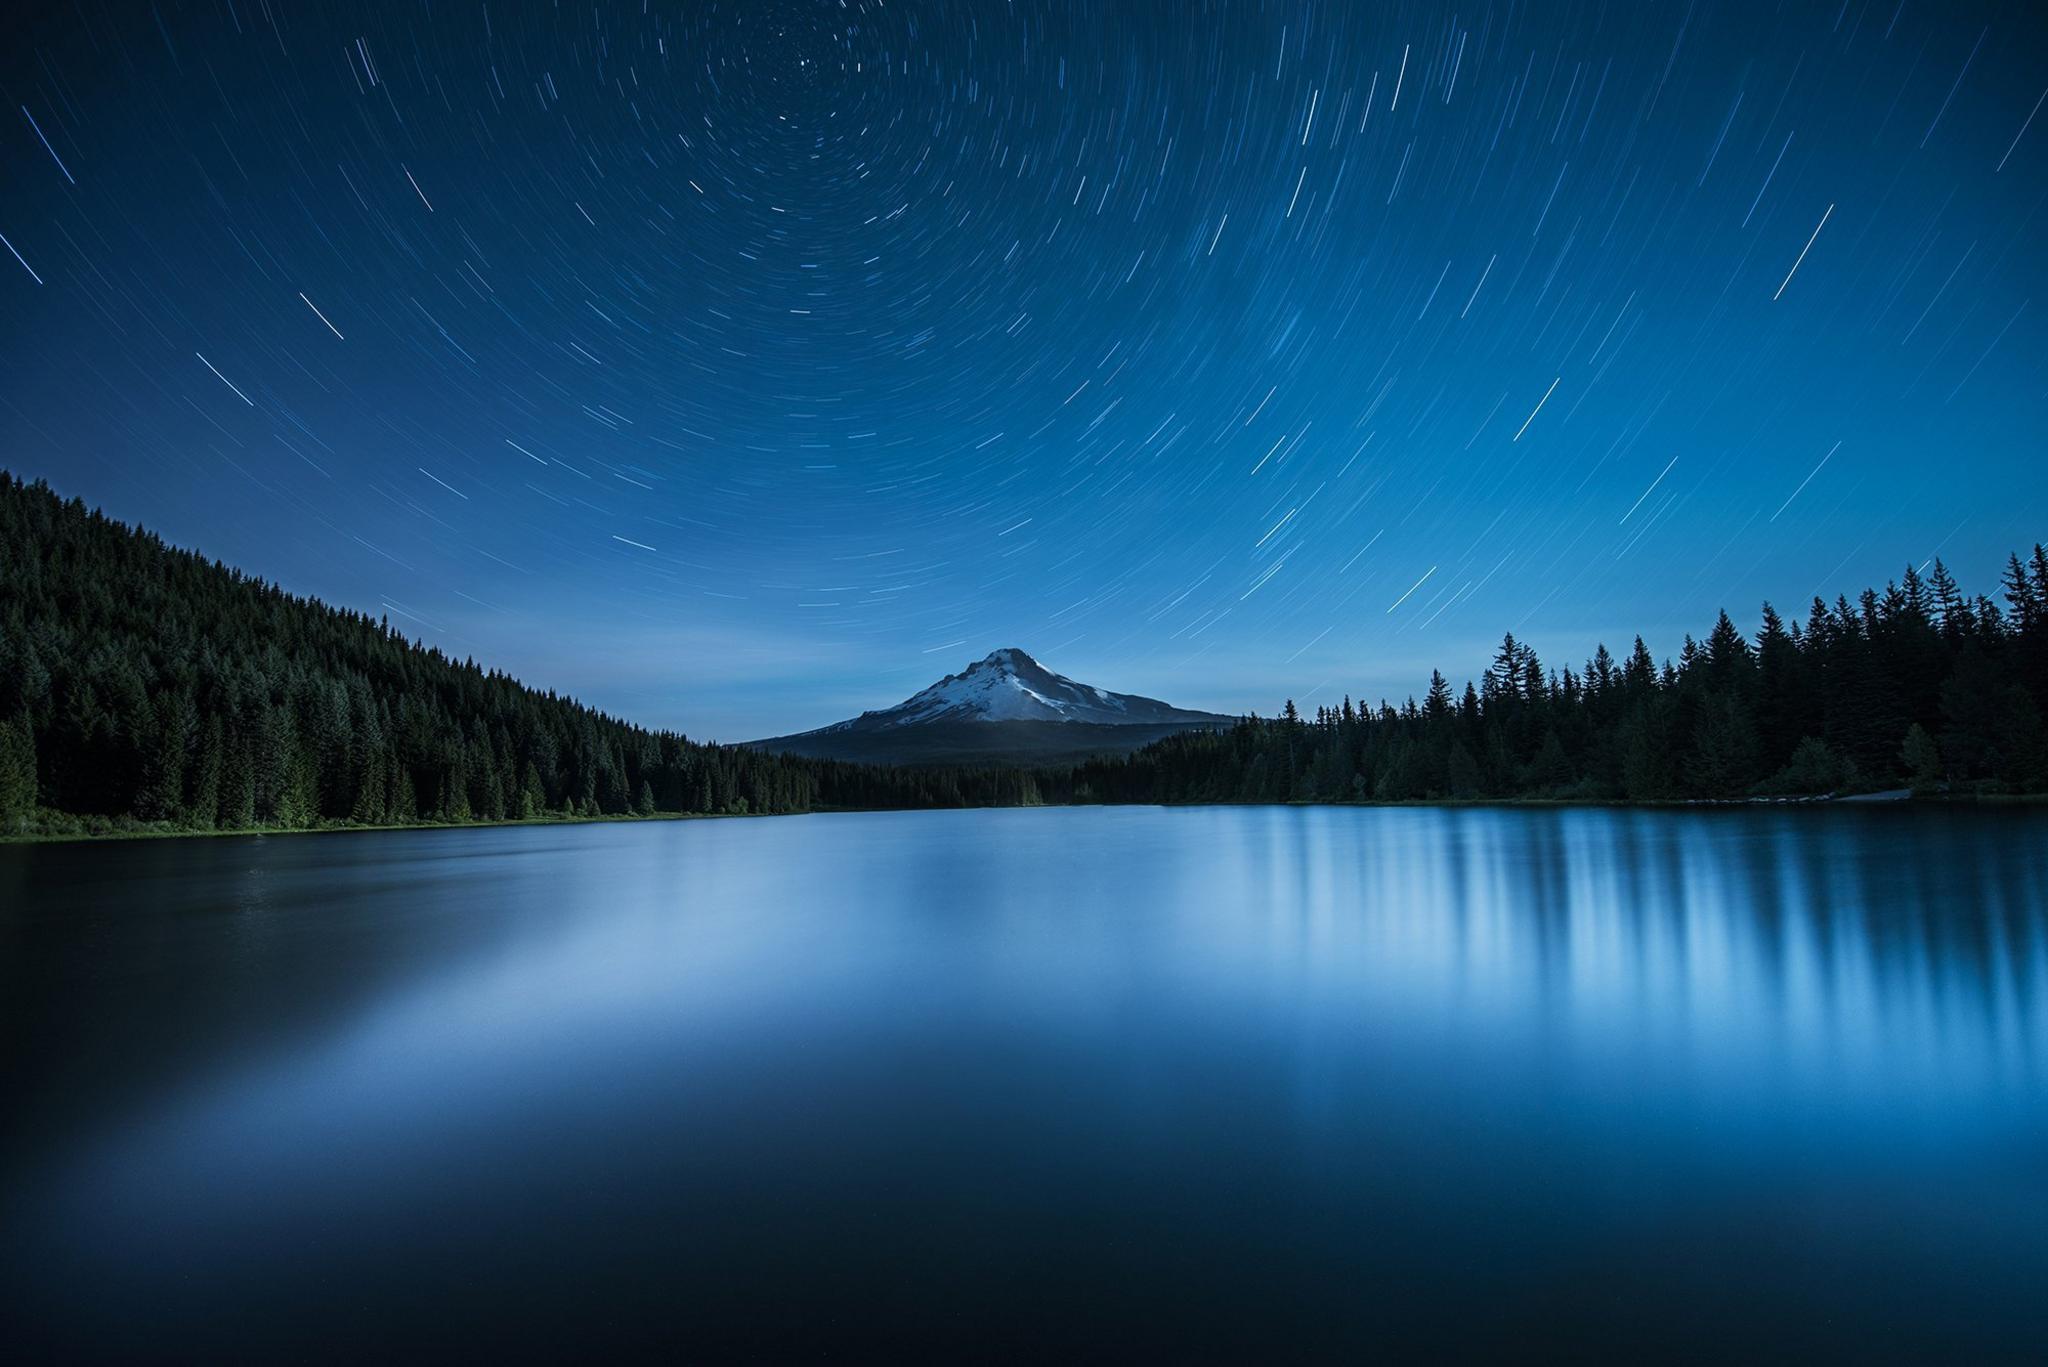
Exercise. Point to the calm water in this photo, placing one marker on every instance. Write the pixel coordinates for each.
(1127, 1082)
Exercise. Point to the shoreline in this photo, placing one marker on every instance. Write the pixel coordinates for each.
(350, 828)
(1894, 798)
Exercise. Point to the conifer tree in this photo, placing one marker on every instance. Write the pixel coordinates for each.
(17, 772)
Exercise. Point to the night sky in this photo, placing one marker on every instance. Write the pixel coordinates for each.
(739, 366)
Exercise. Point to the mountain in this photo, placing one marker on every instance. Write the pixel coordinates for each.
(1004, 708)
(1008, 685)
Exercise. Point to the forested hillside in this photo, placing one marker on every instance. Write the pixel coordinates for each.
(142, 684)
(1916, 686)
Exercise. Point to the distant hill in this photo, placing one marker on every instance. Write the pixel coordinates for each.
(1005, 708)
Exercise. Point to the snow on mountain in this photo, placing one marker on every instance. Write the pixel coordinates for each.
(1008, 685)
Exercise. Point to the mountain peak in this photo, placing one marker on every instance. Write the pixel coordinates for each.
(1005, 707)
(1008, 685)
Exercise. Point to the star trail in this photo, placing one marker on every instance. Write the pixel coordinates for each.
(735, 366)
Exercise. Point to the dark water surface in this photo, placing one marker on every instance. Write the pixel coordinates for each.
(1121, 1083)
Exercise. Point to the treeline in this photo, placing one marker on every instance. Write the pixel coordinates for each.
(1917, 686)
(146, 687)
(143, 687)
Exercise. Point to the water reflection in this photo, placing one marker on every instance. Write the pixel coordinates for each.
(1897, 950)
(1397, 1074)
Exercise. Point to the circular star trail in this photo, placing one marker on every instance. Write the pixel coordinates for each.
(737, 366)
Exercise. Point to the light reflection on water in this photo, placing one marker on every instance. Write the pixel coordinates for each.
(1214, 1080)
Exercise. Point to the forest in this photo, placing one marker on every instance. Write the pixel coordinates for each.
(1915, 687)
(145, 688)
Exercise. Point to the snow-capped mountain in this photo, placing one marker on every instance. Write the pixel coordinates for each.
(1005, 706)
(1008, 685)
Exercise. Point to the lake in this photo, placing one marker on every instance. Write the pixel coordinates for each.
(1111, 1083)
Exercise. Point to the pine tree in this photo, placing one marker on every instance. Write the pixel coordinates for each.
(1951, 609)
(1640, 674)
(161, 794)
(454, 803)
(17, 773)
(404, 807)
(1727, 654)
(203, 808)
(2028, 608)
(371, 785)
(277, 765)
(1437, 705)
(238, 784)
(1503, 679)
(1600, 670)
